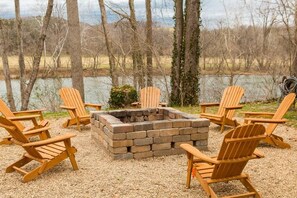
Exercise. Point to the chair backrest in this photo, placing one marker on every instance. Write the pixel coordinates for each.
(17, 135)
(237, 148)
(231, 97)
(150, 97)
(6, 112)
(71, 97)
(281, 111)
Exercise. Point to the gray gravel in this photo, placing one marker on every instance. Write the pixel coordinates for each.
(99, 176)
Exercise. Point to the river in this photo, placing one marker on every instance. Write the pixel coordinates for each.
(44, 95)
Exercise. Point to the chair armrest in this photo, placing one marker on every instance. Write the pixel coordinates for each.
(248, 114)
(20, 118)
(67, 108)
(209, 104)
(234, 107)
(28, 111)
(50, 140)
(264, 120)
(34, 131)
(195, 152)
(96, 106)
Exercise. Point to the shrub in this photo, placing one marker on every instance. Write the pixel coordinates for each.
(122, 96)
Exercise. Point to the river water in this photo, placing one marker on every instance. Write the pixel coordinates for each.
(44, 95)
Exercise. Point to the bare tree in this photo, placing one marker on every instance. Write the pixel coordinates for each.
(26, 89)
(112, 65)
(149, 42)
(6, 70)
(75, 46)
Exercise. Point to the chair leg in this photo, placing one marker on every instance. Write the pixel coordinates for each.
(190, 168)
(32, 174)
(247, 183)
(6, 141)
(71, 154)
(272, 140)
(23, 161)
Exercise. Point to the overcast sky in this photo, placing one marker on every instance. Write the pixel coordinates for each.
(212, 10)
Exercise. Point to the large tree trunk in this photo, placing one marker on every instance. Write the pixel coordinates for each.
(6, 70)
(112, 65)
(75, 46)
(192, 53)
(137, 56)
(20, 44)
(149, 42)
(177, 54)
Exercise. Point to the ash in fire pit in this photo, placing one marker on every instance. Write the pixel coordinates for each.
(142, 133)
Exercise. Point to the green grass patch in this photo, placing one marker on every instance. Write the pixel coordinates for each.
(55, 115)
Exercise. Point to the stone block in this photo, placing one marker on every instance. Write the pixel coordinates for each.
(203, 129)
(118, 113)
(117, 150)
(169, 132)
(143, 126)
(135, 112)
(162, 146)
(122, 128)
(158, 153)
(164, 139)
(143, 155)
(121, 143)
(177, 151)
(199, 136)
(188, 131)
(162, 124)
(153, 133)
(143, 141)
(181, 138)
(159, 117)
(200, 122)
(181, 123)
(138, 149)
(136, 135)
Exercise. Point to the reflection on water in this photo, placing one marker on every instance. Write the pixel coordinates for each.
(257, 87)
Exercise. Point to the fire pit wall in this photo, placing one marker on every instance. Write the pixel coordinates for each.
(142, 133)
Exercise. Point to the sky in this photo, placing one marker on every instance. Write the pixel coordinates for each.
(212, 10)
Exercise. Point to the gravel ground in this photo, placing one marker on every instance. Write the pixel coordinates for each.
(99, 176)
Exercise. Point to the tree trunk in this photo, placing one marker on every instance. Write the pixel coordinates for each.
(177, 54)
(6, 70)
(112, 65)
(149, 42)
(137, 56)
(75, 46)
(20, 44)
(190, 74)
(294, 65)
(38, 54)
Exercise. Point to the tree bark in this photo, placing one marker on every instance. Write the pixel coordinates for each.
(20, 44)
(6, 70)
(112, 65)
(149, 42)
(75, 46)
(177, 54)
(192, 53)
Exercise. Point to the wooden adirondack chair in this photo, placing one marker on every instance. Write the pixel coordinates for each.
(149, 98)
(272, 122)
(237, 149)
(230, 102)
(75, 107)
(18, 117)
(47, 152)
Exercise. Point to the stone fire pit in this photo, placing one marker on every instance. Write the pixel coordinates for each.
(142, 133)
